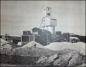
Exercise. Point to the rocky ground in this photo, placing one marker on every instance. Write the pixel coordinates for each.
(40, 56)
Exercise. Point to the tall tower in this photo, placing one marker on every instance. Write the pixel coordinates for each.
(47, 22)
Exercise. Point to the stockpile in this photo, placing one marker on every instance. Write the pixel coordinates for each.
(62, 58)
(29, 54)
(5, 47)
(68, 54)
(56, 54)
(56, 46)
(2, 41)
(33, 49)
(32, 43)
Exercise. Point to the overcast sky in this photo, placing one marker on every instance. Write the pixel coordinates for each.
(17, 16)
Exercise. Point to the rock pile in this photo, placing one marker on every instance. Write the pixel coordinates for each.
(56, 54)
(32, 43)
(56, 46)
(33, 49)
(71, 58)
(5, 47)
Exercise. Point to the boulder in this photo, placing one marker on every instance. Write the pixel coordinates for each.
(62, 60)
(52, 58)
(71, 58)
(75, 60)
(42, 60)
(47, 59)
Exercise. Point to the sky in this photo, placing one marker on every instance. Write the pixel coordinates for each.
(17, 16)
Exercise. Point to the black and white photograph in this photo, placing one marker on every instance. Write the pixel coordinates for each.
(42, 33)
